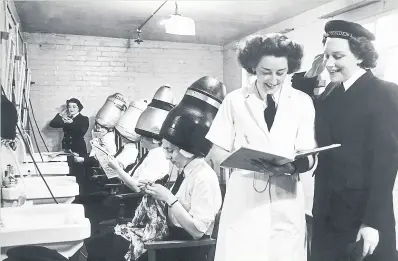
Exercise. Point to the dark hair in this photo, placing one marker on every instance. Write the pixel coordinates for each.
(363, 49)
(74, 100)
(102, 126)
(278, 45)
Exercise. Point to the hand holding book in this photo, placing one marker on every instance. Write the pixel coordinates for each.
(266, 167)
(254, 160)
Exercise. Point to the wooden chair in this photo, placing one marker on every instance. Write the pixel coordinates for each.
(152, 247)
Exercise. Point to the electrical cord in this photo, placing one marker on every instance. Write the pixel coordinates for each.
(31, 126)
(37, 126)
(31, 154)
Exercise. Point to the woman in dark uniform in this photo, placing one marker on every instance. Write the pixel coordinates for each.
(353, 203)
(75, 127)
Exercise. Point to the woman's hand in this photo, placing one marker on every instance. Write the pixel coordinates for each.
(67, 120)
(271, 169)
(78, 159)
(143, 183)
(159, 192)
(114, 163)
(370, 239)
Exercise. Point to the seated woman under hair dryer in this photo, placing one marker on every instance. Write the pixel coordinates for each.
(103, 130)
(128, 153)
(194, 200)
(153, 165)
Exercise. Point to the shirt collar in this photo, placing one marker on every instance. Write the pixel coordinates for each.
(348, 83)
(260, 93)
(158, 151)
(74, 116)
(191, 166)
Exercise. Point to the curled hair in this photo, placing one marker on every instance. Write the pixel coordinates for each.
(363, 49)
(74, 100)
(278, 45)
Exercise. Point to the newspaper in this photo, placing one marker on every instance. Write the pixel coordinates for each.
(103, 157)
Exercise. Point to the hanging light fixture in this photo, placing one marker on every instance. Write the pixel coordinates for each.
(177, 24)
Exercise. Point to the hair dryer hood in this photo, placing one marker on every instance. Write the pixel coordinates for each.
(126, 125)
(151, 120)
(111, 111)
(187, 124)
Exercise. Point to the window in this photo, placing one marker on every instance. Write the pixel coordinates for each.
(386, 45)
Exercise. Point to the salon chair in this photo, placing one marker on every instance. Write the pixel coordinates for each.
(152, 247)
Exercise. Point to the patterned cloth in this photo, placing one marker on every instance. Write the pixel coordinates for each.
(149, 224)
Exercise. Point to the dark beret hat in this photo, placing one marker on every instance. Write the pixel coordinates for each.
(74, 100)
(344, 29)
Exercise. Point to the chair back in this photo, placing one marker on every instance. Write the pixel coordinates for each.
(216, 224)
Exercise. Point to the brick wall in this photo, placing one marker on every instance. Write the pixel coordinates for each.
(232, 69)
(92, 68)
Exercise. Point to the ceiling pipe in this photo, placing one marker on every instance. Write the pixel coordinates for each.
(349, 8)
(139, 29)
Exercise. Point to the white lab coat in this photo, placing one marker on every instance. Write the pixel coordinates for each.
(253, 226)
(155, 166)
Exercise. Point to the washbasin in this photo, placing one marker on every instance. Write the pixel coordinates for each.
(64, 189)
(46, 168)
(61, 227)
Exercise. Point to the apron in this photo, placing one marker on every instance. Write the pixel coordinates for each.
(268, 225)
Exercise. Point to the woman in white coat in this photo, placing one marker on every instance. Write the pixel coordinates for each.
(263, 215)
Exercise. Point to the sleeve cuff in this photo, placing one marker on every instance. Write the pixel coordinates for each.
(301, 165)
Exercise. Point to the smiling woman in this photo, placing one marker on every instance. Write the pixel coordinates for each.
(265, 208)
(353, 184)
(75, 127)
(345, 53)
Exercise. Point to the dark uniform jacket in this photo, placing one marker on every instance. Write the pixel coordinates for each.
(354, 183)
(73, 133)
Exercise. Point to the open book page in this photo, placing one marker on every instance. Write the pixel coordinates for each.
(243, 157)
(304, 153)
(103, 156)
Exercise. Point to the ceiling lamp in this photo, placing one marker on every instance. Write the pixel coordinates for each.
(177, 24)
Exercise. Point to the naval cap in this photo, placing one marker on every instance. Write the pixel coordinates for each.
(345, 29)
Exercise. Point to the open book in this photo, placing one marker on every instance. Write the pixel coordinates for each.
(103, 156)
(243, 157)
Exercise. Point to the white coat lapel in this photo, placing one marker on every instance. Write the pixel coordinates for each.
(255, 108)
(283, 112)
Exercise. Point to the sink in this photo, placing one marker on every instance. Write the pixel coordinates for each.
(47, 157)
(61, 227)
(64, 189)
(46, 168)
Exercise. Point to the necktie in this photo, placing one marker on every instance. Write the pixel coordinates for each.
(338, 91)
(174, 190)
(119, 151)
(270, 111)
(340, 88)
(177, 183)
(138, 164)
